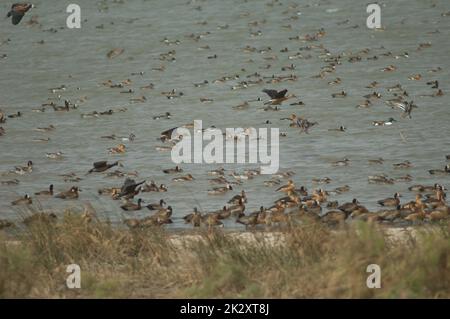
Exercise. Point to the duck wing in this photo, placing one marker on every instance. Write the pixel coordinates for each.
(271, 93)
(16, 16)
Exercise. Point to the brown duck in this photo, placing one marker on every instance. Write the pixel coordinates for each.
(17, 11)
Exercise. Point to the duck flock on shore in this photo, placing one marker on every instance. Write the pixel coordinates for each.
(296, 203)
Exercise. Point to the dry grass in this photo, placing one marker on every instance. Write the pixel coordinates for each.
(303, 261)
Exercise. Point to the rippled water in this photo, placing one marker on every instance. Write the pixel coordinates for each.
(77, 59)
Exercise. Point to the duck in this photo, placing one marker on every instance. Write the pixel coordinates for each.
(239, 197)
(57, 155)
(48, 192)
(350, 207)
(250, 220)
(286, 188)
(165, 116)
(120, 149)
(344, 162)
(112, 191)
(130, 188)
(334, 217)
(405, 164)
(24, 169)
(177, 169)
(220, 190)
(194, 218)
(446, 170)
(72, 193)
(211, 220)
(390, 121)
(339, 94)
(277, 97)
(217, 172)
(187, 177)
(25, 200)
(392, 201)
(406, 178)
(45, 129)
(164, 213)
(238, 209)
(10, 182)
(379, 160)
(18, 11)
(339, 129)
(423, 188)
(130, 206)
(102, 166)
(157, 206)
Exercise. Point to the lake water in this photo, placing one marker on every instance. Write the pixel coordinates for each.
(77, 59)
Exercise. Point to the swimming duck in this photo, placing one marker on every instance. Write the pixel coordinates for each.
(380, 179)
(187, 177)
(177, 169)
(250, 220)
(344, 162)
(164, 213)
(157, 206)
(15, 115)
(120, 149)
(26, 200)
(211, 220)
(277, 97)
(406, 178)
(446, 170)
(238, 198)
(423, 188)
(72, 193)
(376, 161)
(194, 218)
(395, 201)
(334, 217)
(57, 155)
(129, 206)
(102, 166)
(166, 116)
(220, 190)
(45, 129)
(350, 207)
(217, 172)
(405, 164)
(10, 182)
(24, 169)
(340, 129)
(272, 182)
(17, 11)
(390, 121)
(339, 94)
(238, 209)
(48, 192)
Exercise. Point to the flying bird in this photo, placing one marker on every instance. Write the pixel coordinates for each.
(18, 10)
(277, 97)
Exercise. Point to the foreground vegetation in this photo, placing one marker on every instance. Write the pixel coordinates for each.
(307, 261)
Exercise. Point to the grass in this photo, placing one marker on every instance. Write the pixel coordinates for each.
(307, 261)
